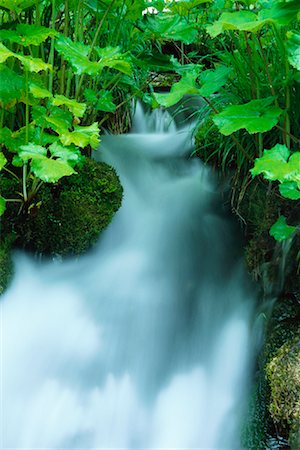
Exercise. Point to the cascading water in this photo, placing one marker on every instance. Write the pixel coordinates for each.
(143, 343)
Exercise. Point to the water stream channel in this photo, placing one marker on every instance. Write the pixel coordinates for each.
(145, 342)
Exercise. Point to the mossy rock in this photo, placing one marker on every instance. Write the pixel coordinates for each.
(283, 372)
(259, 426)
(6, 264)
(66, 218)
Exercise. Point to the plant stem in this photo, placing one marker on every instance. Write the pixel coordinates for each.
(77, 22)
(267, 70)
(2, 118)
(78, 88)
(290, 135)
(250, 65)
(66, 32)
(51, 55)
(260, 144)
(13, 200)
(26, 135)
(11, 173)
(287, 125)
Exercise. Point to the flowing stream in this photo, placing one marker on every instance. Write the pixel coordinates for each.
(145, 342)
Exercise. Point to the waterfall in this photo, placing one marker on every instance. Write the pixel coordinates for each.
(144, 342)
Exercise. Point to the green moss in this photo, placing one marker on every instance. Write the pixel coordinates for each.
(283, 372)
(208, 142)
(282, 326)
(66, 218)
(6, 264)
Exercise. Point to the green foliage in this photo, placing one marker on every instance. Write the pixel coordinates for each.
(212, 81)
(293, 48)
(27, 35)
(256, 116)
(16, 5)
(278, 164)
(167, 27)
(249, 78)
(12, 86)
(187, 85)
(2, 205)
(101, 101)
(281, 230)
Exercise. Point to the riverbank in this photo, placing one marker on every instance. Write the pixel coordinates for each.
(274, 415)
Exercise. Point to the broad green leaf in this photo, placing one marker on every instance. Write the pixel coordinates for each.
(3, 160)
(157, 62)
(76, 54)
(257, 116)
(82, 136)
(78, 109)
(31, 151)
(2, 205)
(105, 102)
(238, 20)
(17, 161)
(59, 120)
(293, 48)
(27, 34)
(16, 5)
(184, 7)
(5, 135)
(39, 91)
(294, 166)
(39, 115)
(8, 139)
(4, 53)
(294, 162)
(274, 165)
(33, 64)
(102, 101)
(187, 85)
(72, 156)
(12, 85)
(281, 230)
(213, 80)
(279, 152)
(50, 170)
(16, 139)
(113, 57)
(43, 137)
(281, 12)
(289, 189)
(169, 27)
(90, 95)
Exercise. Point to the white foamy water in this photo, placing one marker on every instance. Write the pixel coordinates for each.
(144, 343)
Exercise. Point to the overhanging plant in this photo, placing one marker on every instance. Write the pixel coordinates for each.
(255, 69)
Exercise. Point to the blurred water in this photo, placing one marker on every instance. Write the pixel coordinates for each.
(144, 343)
